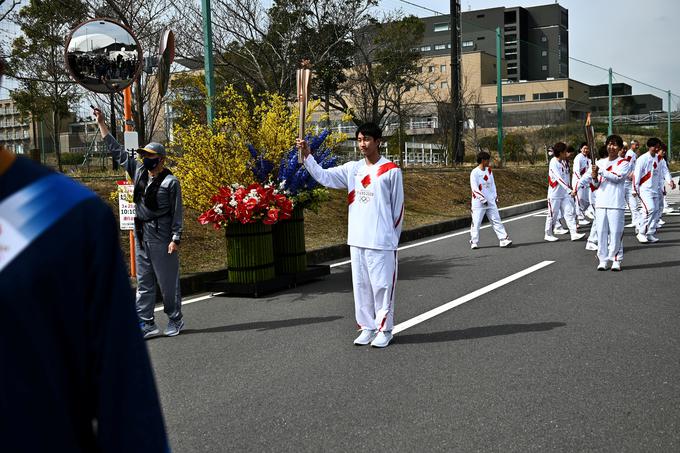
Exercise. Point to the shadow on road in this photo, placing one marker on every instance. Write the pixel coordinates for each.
(476, 332)
(263, 325)
(652, 265)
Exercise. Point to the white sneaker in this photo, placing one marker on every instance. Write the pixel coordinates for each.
(590, 215)
(642, 238)
(591, 246)
(366, 336)
(560, 230)
(584, 222)
(505, 242)
(550, 238)
(667, 210)
(473, 245)
(382, 339)
(577, 236)
(661, 222)
(652, 239)
(616, 266)
(630, 225)
(602, 266)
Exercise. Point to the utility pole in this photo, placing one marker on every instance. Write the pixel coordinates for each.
(499, 95)
(208, 59)
(670, 129)
(610, 129)
(457, 129)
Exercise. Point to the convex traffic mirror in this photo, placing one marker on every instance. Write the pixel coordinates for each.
(103, 56)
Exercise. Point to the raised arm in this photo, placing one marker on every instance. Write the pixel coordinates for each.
(118, 152)
(334, 178)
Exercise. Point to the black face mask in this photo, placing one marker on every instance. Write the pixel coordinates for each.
(150, 163)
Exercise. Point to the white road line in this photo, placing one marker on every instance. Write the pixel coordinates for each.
(191, 301)
(468, 297)
(342, 263)
(441, 238)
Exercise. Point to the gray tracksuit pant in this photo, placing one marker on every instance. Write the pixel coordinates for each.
(155, 265)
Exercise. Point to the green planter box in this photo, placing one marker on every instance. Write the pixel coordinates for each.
(250, 254)
(290, 256)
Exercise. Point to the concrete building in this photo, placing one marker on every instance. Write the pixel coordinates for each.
(624, 102)
(535, 40)
(15, 133)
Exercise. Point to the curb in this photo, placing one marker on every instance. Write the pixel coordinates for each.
(195, 283)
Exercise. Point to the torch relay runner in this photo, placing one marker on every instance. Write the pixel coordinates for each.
(375, 198)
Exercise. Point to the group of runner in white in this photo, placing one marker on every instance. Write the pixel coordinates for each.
(598, 192)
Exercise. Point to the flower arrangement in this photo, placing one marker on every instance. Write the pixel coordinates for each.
(292, 177)
(251, 204)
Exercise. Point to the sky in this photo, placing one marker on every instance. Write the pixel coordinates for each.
(638, 39)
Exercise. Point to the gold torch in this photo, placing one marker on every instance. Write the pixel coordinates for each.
(304, 75)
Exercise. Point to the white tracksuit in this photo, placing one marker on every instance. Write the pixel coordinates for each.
(610, 205)
(631, 200)
(581, 168)
(484, 199)
(559, 197)
(645, 184)
(376, 210)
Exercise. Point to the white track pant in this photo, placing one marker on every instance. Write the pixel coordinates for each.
(582, 202)
(593, 236)
(610, 224)
(649, 205)
(374, 277)
(491, 213)
(557, 208)
(633, 205)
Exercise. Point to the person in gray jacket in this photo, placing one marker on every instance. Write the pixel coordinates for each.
(158, 230)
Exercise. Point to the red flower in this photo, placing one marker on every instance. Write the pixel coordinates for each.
(250, 204)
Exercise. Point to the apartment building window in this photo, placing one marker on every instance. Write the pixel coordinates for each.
(468, 43)
(425, 48)
(442, 68)
(440, 47)
(514, 98)
(550, 95)
(480, 16)
(544, 53)
(432, 85)
(442, 26)
(479, 38)
(444, 85)
(430, 69)
(544, 67)
(544, 39)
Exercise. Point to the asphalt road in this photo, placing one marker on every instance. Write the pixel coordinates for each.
(564, 358)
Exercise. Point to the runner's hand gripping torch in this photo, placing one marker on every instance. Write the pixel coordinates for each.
(590, 139)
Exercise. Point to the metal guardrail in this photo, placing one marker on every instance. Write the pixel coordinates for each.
(648, 118)
(415, 155)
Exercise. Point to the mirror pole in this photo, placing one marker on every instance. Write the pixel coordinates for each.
(208, 59)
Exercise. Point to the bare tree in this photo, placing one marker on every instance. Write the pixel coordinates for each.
(262, 48)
